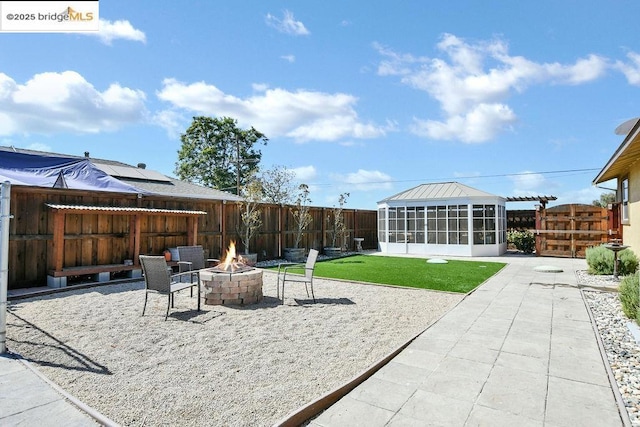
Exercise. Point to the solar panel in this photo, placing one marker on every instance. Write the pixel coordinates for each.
(131, 172)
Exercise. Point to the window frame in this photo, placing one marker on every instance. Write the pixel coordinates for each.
(624, 200)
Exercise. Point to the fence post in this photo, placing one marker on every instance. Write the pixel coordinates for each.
(5, 198)
(539, 213)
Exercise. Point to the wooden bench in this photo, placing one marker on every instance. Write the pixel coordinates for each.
(100, 273)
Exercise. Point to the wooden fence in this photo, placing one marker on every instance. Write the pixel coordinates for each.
(104, 238)
(568, 230)
(522, 219)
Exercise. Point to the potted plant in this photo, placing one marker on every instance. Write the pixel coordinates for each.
(336, 228)
(301, 220)
(250, 218)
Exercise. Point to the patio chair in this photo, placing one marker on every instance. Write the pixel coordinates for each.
(191, 258)
(285, 275)
(158, 279)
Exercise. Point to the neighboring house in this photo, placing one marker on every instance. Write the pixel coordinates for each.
(445, 218)
(42, 169)
(75, 216)
(624, 168)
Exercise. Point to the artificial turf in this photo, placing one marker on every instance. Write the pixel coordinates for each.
(454, 276)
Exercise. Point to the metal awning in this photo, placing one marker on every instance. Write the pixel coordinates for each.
(120, 210)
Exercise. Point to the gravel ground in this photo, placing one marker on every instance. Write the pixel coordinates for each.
(227, 366)
(622, 349)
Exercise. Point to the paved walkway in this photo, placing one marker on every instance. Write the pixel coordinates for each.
(27, 399)
(519, 351)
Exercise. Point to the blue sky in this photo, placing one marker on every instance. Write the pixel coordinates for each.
(513, 98)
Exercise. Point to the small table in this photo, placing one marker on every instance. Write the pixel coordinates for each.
(358, 241)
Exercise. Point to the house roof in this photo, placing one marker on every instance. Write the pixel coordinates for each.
(624, 157)
(146, 181)
(438, 191)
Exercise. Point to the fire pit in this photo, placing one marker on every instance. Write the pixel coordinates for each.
(232, 282)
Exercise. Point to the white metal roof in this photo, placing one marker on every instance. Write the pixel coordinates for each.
(438, 191)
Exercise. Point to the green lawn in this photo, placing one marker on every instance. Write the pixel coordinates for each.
(455, 276)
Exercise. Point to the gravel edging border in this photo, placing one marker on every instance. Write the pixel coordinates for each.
(315, 407)
(622, 409)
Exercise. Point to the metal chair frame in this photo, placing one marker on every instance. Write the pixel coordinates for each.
(158, 279)
(285, 275)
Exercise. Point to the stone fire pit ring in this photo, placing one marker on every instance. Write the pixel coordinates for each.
(230, 288)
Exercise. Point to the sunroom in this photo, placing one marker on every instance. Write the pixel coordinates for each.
(445, 218)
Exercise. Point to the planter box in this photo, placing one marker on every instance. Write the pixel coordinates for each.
(249, 259)
(294, 254)
(333, 252)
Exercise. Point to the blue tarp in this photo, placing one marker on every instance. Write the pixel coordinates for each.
(58, 172)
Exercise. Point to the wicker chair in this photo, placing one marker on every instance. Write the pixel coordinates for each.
(158, 279)
(285, 276)
(193, 258)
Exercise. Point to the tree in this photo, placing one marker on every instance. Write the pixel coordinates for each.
(278, 186)
(336, 227)
(216, 153)
(250, 213)
(300, 212)
(605, 199)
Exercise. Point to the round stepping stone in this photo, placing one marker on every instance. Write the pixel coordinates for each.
(437, 261)
(548, 269)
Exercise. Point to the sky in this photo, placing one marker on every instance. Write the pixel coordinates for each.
(366, 98)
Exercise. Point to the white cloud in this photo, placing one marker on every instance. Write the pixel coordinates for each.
(289, 58)
(305, 173)
(38, 146)
(631, 69)
(287, 24)
(121, 29)
(472, 81)
(172, 121)
(529, 183)
(364, 180)
(302, 115)
(478, 125)
(66, 102)
(585, 196)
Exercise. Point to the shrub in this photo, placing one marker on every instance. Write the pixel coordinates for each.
(524, 241)
(600, 261)
(629, 294)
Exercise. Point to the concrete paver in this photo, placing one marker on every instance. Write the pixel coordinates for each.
(27, 399)
(520, 350)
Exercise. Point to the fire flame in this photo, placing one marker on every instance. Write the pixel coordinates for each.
(230, 258)
(232, 262)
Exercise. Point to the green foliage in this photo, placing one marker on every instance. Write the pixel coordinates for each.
(215, 153)
(278, 185)
(605, 200)
(629, 295)
(600, 261)
(300, 212)
(524, 240)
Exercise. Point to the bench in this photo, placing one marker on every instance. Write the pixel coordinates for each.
(100, 273)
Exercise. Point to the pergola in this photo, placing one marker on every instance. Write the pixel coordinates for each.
(136, 214)
(541, 199)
